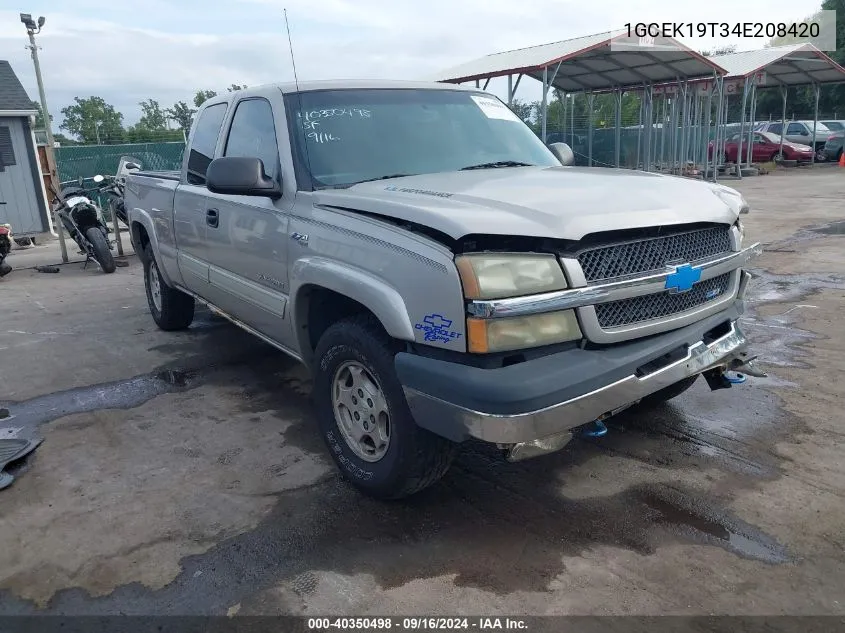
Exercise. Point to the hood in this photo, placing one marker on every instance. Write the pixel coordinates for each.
(557, 202)
(799, 147)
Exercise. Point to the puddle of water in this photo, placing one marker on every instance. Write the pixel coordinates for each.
(124, 394)
(834, 228)
(711, 527)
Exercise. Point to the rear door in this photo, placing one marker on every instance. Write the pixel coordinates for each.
(247, 246)
(189, 203)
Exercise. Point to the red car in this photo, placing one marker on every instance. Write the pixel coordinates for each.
(765, 148)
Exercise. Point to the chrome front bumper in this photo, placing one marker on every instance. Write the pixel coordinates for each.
(549, 423)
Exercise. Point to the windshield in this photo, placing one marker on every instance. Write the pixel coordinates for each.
(774, 138)
(834, 125)
(343, 137)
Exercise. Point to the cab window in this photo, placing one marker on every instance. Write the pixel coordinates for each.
(253, 135)
(203, 142)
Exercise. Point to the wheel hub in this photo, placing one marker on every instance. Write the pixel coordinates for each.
(155, 286)
(361, 412)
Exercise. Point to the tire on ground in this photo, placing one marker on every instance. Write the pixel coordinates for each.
(102, 252)
(415, 458)
(672, 391)
(177, 308)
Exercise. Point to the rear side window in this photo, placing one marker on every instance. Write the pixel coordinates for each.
(795, 128)
(775, 128)
(253, 134)
(203, 142)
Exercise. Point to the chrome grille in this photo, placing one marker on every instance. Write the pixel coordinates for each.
(662, 304)
(653, 254)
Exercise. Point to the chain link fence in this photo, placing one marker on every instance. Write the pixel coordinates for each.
(86, 161)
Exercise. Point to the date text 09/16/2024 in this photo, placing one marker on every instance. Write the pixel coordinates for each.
(417, 624)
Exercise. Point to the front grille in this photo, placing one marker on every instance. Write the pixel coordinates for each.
(653, 254)
(662, 304)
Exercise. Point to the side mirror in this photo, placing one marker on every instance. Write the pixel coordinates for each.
(240, 176)
(563, 153)
(132, 166)
(98, 178)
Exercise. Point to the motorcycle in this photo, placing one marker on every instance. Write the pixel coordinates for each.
(83, 221)
(5, 247)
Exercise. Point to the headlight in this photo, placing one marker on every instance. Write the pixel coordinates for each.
(501, 335)
(741, 230)
(731, 197)
(500, 275)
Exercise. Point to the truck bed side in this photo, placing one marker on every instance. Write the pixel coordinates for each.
(149, 205)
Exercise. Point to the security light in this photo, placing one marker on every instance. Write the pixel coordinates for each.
(41, 21)
(26, 18)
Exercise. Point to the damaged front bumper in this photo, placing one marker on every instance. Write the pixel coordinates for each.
(572, 388)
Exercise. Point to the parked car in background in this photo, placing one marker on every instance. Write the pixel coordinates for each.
(802, 132)
(765, 147)
(833, 146)
(835, 126)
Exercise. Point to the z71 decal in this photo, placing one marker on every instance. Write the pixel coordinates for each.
(437, 329)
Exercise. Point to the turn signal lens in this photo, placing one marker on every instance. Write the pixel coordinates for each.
(500, 275)
(502, 335)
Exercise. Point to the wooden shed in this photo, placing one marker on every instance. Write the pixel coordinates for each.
(21, 185)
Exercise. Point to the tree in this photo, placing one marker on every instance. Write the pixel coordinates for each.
(235, 87)
(39, 118)
(152, 116)
(523, 110)
(202, 96)
(92, 120)
(720, 50)
(182, 114)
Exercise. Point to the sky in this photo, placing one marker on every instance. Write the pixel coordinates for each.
(129, 51)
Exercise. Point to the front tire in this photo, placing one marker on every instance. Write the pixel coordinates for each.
(364, 418)
(102, 252)
(171, 309)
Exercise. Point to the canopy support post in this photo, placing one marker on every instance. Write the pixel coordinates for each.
(590, 101)
(783, 92)
(816, 90)
(618, 131)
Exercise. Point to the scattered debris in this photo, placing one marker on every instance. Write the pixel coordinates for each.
(48, 269)
(12, 450)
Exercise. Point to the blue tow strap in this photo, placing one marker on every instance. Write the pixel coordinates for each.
(594, 429)
(735, 378)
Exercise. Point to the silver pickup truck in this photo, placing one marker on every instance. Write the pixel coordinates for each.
(442, 273)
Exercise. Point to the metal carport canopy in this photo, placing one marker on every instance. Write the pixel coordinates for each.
(791, 65)
(592, 63)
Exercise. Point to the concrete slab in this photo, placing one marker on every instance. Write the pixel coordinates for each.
(181, 472)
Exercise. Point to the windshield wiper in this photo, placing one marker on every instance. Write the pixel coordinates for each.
(380, 178)
(498, 163)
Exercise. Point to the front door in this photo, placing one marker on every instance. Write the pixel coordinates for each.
(246, 241)
(189, 207)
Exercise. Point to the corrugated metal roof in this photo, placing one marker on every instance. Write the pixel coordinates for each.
(791, 65)
(12, 95)
(592, 62)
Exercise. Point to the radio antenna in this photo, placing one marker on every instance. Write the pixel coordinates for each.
(300, 123)
(290, 45)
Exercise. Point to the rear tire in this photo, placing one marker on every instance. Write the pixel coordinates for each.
(672, 391)
(411, 458)
(102, 252)
(171, 309)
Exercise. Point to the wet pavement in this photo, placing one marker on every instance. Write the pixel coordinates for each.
(181, 473)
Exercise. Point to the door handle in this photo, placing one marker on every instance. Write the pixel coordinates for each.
(212, 218)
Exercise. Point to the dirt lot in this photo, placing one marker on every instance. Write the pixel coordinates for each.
(182, 473)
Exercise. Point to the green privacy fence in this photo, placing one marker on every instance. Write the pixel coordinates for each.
(89, 160)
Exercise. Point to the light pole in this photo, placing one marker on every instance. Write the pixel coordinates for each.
(32, 29)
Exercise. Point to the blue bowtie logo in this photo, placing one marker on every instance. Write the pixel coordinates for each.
(683, 279)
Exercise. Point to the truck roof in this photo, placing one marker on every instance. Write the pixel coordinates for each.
(345, 84)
